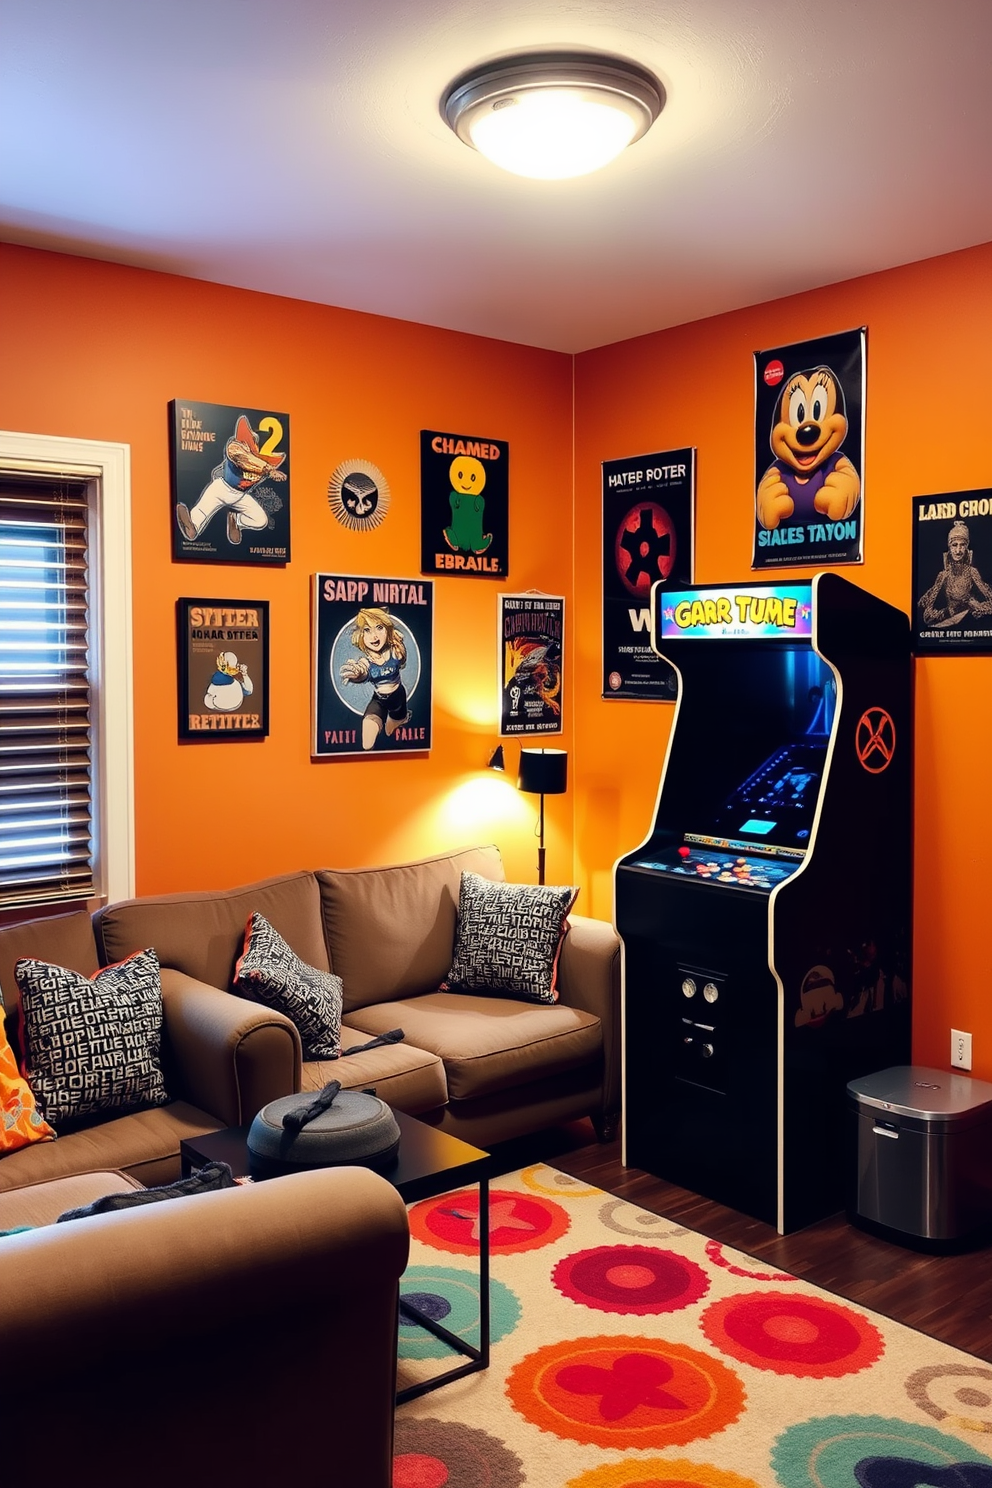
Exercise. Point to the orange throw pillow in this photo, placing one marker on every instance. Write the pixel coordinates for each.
(20, 1120)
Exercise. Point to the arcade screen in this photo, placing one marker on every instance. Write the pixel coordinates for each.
(751, 830)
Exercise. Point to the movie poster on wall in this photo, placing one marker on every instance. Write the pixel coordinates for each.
(952, 573)
(371, 644)
(531, 637)
(648, 506)
(809, 452)
(464, 505)
(223, 655)
(230, 483)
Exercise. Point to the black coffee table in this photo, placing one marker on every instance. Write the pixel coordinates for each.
(430, 1163)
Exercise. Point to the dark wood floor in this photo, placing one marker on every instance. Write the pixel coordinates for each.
(948, 1297)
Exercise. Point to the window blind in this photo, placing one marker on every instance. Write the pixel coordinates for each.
(46, 780)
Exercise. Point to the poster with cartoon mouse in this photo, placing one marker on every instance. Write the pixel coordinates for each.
(464, 505)
(809, 439)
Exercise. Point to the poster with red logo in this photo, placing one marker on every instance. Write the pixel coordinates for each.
(809, 452)
(648, 506)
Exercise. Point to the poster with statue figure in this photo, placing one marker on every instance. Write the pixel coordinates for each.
(372, 643)
(223, 652)
(531, 640)
(464, 505)
(230, 483)
(952, 573)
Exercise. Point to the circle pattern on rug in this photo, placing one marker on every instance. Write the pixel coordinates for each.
(660, 1472)
(623, 1392)
(960, 1394)
(627, 1219)
(544, 1180)
(443, 1454)
(451, 1298)
(875, 1452)
(714, 1251)
(516, 1222)
(630, 1279)
(808, 1337)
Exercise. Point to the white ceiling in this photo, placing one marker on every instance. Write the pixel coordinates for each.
(295, 146)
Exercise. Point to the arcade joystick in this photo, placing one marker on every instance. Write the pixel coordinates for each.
(684, 852)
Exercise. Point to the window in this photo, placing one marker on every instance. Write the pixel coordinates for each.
(65, 716)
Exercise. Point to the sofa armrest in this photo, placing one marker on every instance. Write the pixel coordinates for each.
(226, 1055)
(589, 979)
(202, 1324)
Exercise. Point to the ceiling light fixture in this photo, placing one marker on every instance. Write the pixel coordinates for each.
(551, 115)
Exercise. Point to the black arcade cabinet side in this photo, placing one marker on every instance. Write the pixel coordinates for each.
(766, 919)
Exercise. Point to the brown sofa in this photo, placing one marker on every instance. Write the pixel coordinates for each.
(483, 1068)
(246, 1336)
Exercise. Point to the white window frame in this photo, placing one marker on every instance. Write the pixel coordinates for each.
(108, 467)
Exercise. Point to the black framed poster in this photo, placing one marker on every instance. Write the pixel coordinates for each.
(648, 506)
(230, 483)
(372, 644)
(464, 505)
(531, 640)
(223, 654)
(809, 452)
(952, 573)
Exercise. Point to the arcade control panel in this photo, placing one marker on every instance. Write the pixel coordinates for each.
(737, 870)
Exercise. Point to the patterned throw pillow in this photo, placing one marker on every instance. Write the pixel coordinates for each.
(20, 1120)
(507, 938)
(92, 1044)
(271, 973)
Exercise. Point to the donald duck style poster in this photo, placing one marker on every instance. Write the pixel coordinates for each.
(809, 442)
(230, 483)
(223, 669)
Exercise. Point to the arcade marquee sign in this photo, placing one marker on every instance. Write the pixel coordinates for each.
(744, 612)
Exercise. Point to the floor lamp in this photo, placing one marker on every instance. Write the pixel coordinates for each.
(543, 772)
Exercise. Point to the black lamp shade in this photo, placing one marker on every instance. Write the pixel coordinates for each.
(543, 772)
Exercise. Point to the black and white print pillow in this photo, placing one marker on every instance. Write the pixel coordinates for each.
(271, 973)
(92, 1045)
(507, 938)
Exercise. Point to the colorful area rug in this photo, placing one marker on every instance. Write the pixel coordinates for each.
(629, 1352)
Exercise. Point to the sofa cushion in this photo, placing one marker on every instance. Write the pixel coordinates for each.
(507, 938)
(489, 1043)
(403, 1075)
(65, 939)
(92, 1044)
(268, 971)
(144, 1144)
(21, 1123)
(41, 1203)
(203, 934)
(390, 931)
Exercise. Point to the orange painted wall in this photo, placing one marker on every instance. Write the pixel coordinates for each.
(96, 351)
(929, 429)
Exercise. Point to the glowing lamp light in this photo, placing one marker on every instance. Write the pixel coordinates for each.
(551, 115)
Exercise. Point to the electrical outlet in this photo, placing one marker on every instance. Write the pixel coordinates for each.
(960, 1049)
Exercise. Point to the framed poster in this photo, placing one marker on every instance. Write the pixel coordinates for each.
(230, 483)
(223, 652)
(648, 506)
(464, 505)
(809, 417)
(952, 573)
(531, 634)
(372, 642)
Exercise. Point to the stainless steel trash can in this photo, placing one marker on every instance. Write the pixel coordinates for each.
(923, 1169)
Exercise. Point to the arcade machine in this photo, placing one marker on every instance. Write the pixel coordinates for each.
(765, 920)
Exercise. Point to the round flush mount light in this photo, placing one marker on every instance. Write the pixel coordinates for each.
(551, 115)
